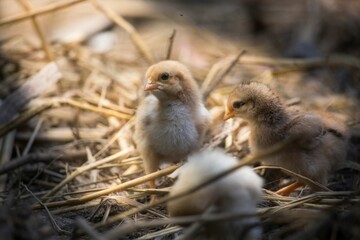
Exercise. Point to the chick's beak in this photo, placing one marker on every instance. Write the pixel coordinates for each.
(228, 114)
(149, 86)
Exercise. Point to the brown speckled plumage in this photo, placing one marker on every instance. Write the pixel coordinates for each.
(322, 138)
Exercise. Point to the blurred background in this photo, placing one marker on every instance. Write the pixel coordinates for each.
(307, 50)
(279, 26)
(206, 31)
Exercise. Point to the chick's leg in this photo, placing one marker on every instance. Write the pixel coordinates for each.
(152, 185)
(285, 191)
(151, 165)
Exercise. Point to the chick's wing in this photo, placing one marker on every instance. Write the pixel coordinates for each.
(306, 129)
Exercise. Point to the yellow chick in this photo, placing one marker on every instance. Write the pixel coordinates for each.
(236, 193)
(321, 138)
(171, 122)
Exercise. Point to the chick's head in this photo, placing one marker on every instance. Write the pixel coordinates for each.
(170, 80)
(249, 100)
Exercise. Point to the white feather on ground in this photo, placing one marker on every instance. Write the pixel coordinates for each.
(238, 192)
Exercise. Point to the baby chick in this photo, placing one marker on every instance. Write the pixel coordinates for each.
(170, 123)
(235, 193)
(321, 138)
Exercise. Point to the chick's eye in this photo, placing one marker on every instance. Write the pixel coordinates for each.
(238, 104)
(165, 76)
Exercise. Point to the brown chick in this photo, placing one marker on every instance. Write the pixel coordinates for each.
(171, 122)
(321, 138)
(236, 193)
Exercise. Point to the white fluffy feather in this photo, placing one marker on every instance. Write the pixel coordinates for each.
(238, 192)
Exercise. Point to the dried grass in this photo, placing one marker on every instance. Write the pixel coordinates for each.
(70, 151)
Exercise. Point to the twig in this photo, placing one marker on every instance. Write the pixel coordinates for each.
(131, 202)
(114, 138)
(86, 106)
(327, 218)
(133, 162)
(30, 113)
(93, 98)
(163, 232)
(52, 173)
(353, 123)
(302, 178)
(149, 190)
(41, 157)
(91, 159)
(98, 207)
(120, 187)
(86, 228)
(64, 134)
(170, 46)
(119, 199)
(107, 212)
(11, 125)
(6, 150)
(41, 82)
(40, 11)
(323, 197)
(317, 196)
(121, 22)
(82, 191)
(132, 227)
(250, 159)
(32, 137)
(52, 220)
(211, 81)
(298, 64)
(80, 170)
(75, 208)
(45, 44)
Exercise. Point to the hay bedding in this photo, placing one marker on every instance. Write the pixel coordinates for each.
(67, 150)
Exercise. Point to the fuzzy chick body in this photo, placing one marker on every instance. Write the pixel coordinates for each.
(235, 193)
(170, 123)
(321, 138)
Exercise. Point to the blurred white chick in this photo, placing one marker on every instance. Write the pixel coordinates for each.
(235, 193)
(321, 138)
(170, 123)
